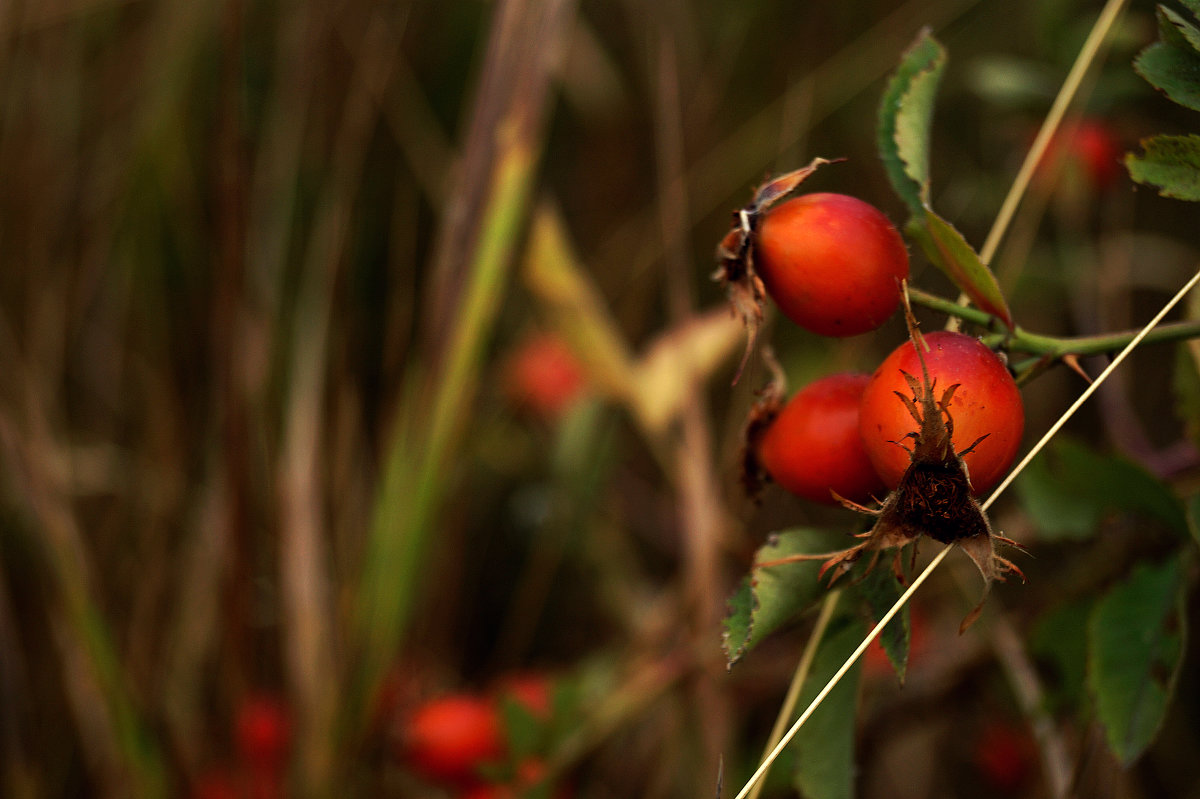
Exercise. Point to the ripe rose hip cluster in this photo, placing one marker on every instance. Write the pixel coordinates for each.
(834, 265)
(459, 741)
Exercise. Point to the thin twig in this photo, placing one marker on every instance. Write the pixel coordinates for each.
(1037, 150)
(1022, 676)
(1021, 340)
(1091, 389)
(837, 677)
(1083, 62)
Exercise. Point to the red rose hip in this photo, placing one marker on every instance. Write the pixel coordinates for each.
(813, 446)
(987, 402)
(543, 376)
(264, 732)
(832, 263)
(448, 738)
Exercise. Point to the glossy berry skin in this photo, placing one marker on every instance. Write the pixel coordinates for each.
(986, 402)
(447, 739)
(832, 263)
(813, 446)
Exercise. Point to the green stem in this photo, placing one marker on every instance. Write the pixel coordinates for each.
(1050, 347)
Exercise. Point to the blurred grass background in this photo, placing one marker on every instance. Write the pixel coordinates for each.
(264, 263)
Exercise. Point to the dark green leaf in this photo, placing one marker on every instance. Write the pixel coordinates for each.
(1059, 507)
(825, 744)
(881, 589)
(949, 251)
(1177, 31)
(1135, 648)
(1170, 163)
(1073, 486)
(770, 597)
(905, 113)
(524, 731)
(1172, 64)
(1059, 642)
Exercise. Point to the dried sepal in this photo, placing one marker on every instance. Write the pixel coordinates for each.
(771, 400)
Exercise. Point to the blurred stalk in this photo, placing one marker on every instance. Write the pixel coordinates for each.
(700, 509)
(123, 757)
(305, 581)
(482, 224)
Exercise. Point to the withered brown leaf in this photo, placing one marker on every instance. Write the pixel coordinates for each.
(934, 496)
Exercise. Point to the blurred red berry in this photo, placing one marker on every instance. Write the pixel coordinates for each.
(447, 739)
(1089, 151)
(530, 775)
(216, 783)
(531, 690)
(489, 791)
(264, 733)
(1004, 755)
(543, 376)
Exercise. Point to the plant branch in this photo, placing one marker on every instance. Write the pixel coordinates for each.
(1052, 347)
(1138, 338)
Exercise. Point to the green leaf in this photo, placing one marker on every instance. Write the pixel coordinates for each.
(1176, 31)
(524, 731)
(949, 251)
(825, 744)
(881, 589)
(1135, 648)
(1069, 488)
(905, 113)
(1060, 508)
(1059, 642)
(1172, 64)
(902, 135)
(1170, 163)
(770, 597)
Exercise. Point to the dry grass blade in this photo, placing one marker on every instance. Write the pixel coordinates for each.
(305, 581)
